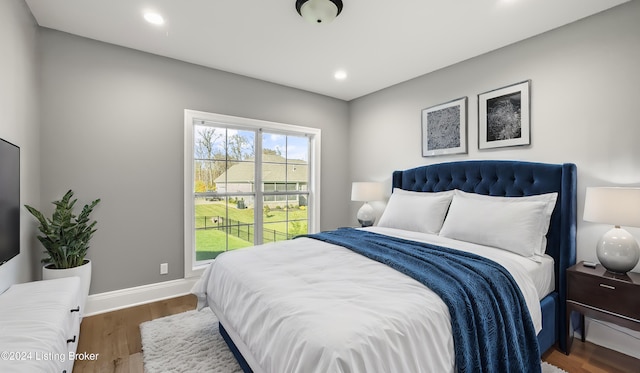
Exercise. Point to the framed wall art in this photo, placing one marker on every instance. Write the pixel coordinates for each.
(444, 128)
(503, 117)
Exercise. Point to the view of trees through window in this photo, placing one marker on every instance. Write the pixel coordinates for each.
(241, 200)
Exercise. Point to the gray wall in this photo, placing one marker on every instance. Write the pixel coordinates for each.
(19, 124)
(112, 127)
(585, 92)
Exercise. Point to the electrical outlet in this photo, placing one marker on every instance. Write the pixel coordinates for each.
(164, 268)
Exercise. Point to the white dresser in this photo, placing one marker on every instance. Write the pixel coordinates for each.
(40, 326)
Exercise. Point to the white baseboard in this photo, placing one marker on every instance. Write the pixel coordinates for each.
(119, 299)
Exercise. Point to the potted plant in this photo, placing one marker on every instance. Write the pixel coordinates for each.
(65, 238)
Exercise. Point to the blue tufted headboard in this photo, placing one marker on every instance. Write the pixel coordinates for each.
(512, 179)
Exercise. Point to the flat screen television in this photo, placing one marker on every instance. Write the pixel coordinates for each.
(9, 201)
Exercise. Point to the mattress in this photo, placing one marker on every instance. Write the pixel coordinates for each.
(308, 306)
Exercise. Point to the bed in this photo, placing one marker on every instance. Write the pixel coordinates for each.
(310, 305)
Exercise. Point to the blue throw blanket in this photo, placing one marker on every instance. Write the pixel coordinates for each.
(492, 328)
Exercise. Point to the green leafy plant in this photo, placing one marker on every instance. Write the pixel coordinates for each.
(65, 236)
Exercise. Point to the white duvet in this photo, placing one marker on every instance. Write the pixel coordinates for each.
(309, 306)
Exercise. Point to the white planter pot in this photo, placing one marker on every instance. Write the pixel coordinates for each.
(83, 271)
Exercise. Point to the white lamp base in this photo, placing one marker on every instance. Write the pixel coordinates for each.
(618, 251)
(366, 216)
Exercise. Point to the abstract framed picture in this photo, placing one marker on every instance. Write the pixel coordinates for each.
(503, 117)
(444, 128)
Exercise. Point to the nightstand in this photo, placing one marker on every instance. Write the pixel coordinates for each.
(602, 295)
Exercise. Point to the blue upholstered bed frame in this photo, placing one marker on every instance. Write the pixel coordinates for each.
(507, 179)
(516, 179)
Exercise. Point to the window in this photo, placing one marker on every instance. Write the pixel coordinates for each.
(247, 182)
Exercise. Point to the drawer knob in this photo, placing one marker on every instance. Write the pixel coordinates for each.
(71, 340)
(608, 286)
(77, 309)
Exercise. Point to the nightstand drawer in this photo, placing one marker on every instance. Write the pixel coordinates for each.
(603, 293)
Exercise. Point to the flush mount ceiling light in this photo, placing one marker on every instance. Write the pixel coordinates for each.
(319, 11)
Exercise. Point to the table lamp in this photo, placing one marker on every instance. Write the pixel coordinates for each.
(617, 250)
(366, 192)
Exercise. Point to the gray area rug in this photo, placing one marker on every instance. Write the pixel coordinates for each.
(186, 342)
(191, 342)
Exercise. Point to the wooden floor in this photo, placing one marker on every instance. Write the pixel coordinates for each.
(116, 337)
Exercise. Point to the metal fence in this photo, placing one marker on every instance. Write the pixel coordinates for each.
(242, 230)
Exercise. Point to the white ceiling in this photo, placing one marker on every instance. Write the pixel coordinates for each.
(379, 43)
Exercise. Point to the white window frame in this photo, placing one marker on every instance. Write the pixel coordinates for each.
(190, 267)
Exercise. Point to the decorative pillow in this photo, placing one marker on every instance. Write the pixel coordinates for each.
(416, 211)
(517, 224)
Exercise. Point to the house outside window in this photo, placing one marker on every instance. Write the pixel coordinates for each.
(247, 182)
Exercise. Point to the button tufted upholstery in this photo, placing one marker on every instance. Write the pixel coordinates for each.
(511, 179)
(494, 178)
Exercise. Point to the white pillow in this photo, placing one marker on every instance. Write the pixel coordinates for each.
(416, 211)
(517, 224)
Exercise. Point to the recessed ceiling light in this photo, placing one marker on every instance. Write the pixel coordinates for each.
(154, 18)
(340, 75)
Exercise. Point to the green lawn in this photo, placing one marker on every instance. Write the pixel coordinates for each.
(211, 242)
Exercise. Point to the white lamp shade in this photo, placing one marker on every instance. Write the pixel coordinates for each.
(616, 206)
(319, 11)
(366, 191)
